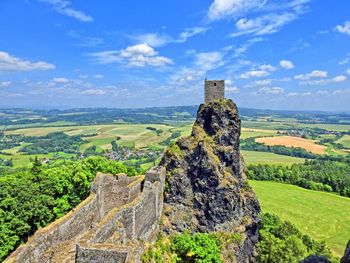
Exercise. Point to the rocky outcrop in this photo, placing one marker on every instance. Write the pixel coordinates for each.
(315, 259)
(346, 257)
(206, 187)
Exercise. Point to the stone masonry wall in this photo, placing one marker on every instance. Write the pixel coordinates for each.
(119, 211)
(121, 230)
(214, 90)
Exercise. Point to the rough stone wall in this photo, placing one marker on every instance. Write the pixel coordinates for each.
(105, 227)
(119, 232)
(214, 90)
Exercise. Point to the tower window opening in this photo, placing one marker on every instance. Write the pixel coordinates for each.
(214, 83)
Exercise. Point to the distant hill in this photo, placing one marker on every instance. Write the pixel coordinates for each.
(174, 114)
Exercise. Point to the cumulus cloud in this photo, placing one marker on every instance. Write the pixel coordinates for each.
(153, 39)
(270, 90)
(5, 84)
(267, 67)
(254, 74)
(140, 55)
(63, 7)
(259, 83)
(313, 74)
(258, 71)
(336, 79)
(348, 71)
(345, 29)
(12, 63)
(286, 64)
(220, 9)
(339, 78)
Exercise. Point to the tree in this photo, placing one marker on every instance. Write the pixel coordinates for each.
(36, 167)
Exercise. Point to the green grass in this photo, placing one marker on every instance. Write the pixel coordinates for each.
(323, 216)
(345, 140)
(25, 161)
(252, 157)
(250, 133)
(276, 125)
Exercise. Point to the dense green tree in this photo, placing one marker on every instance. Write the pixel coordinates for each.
(281, 242)
(30, 199)
(317, 175)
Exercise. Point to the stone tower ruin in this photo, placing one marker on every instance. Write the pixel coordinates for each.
(214, 90)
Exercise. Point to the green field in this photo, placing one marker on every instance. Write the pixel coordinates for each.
(252, 157)
(277, 125)
(323, 216)
(345, 140)
(102, 135)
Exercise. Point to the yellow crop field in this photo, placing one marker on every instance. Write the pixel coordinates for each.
(290, 141)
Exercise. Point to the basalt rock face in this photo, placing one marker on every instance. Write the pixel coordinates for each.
(206, 188)
(346, 257)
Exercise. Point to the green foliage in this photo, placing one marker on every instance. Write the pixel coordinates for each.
(174, 149)
(281, 241)
(91, 151)
(315, 175)
(32, 199)
(200, 247)
(174, 135)
(53, 142)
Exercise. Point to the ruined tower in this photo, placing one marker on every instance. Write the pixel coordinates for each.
(214, 90)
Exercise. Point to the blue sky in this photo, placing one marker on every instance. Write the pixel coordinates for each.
(277, 54)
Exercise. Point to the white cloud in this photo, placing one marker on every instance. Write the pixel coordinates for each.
(60, 80)
(313, 74)
(5, 84)
(336, 79)
(254, 74)
(97, 76)
(339, 78)
(270, 90)
(208, 60)
(220, 9)
(11, 63)
(94, 92)
(153, 39)
(190, 32)
(348, 71)
(140, 55)
(286, 64)
(345, 61)
(266, 67)
(232, 90)
(345, 29)
(259, 83)
(63, 7)
(158, 40)
(262, 25)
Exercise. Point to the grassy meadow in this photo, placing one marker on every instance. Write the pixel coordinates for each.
(252, 157)
(321, 215)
